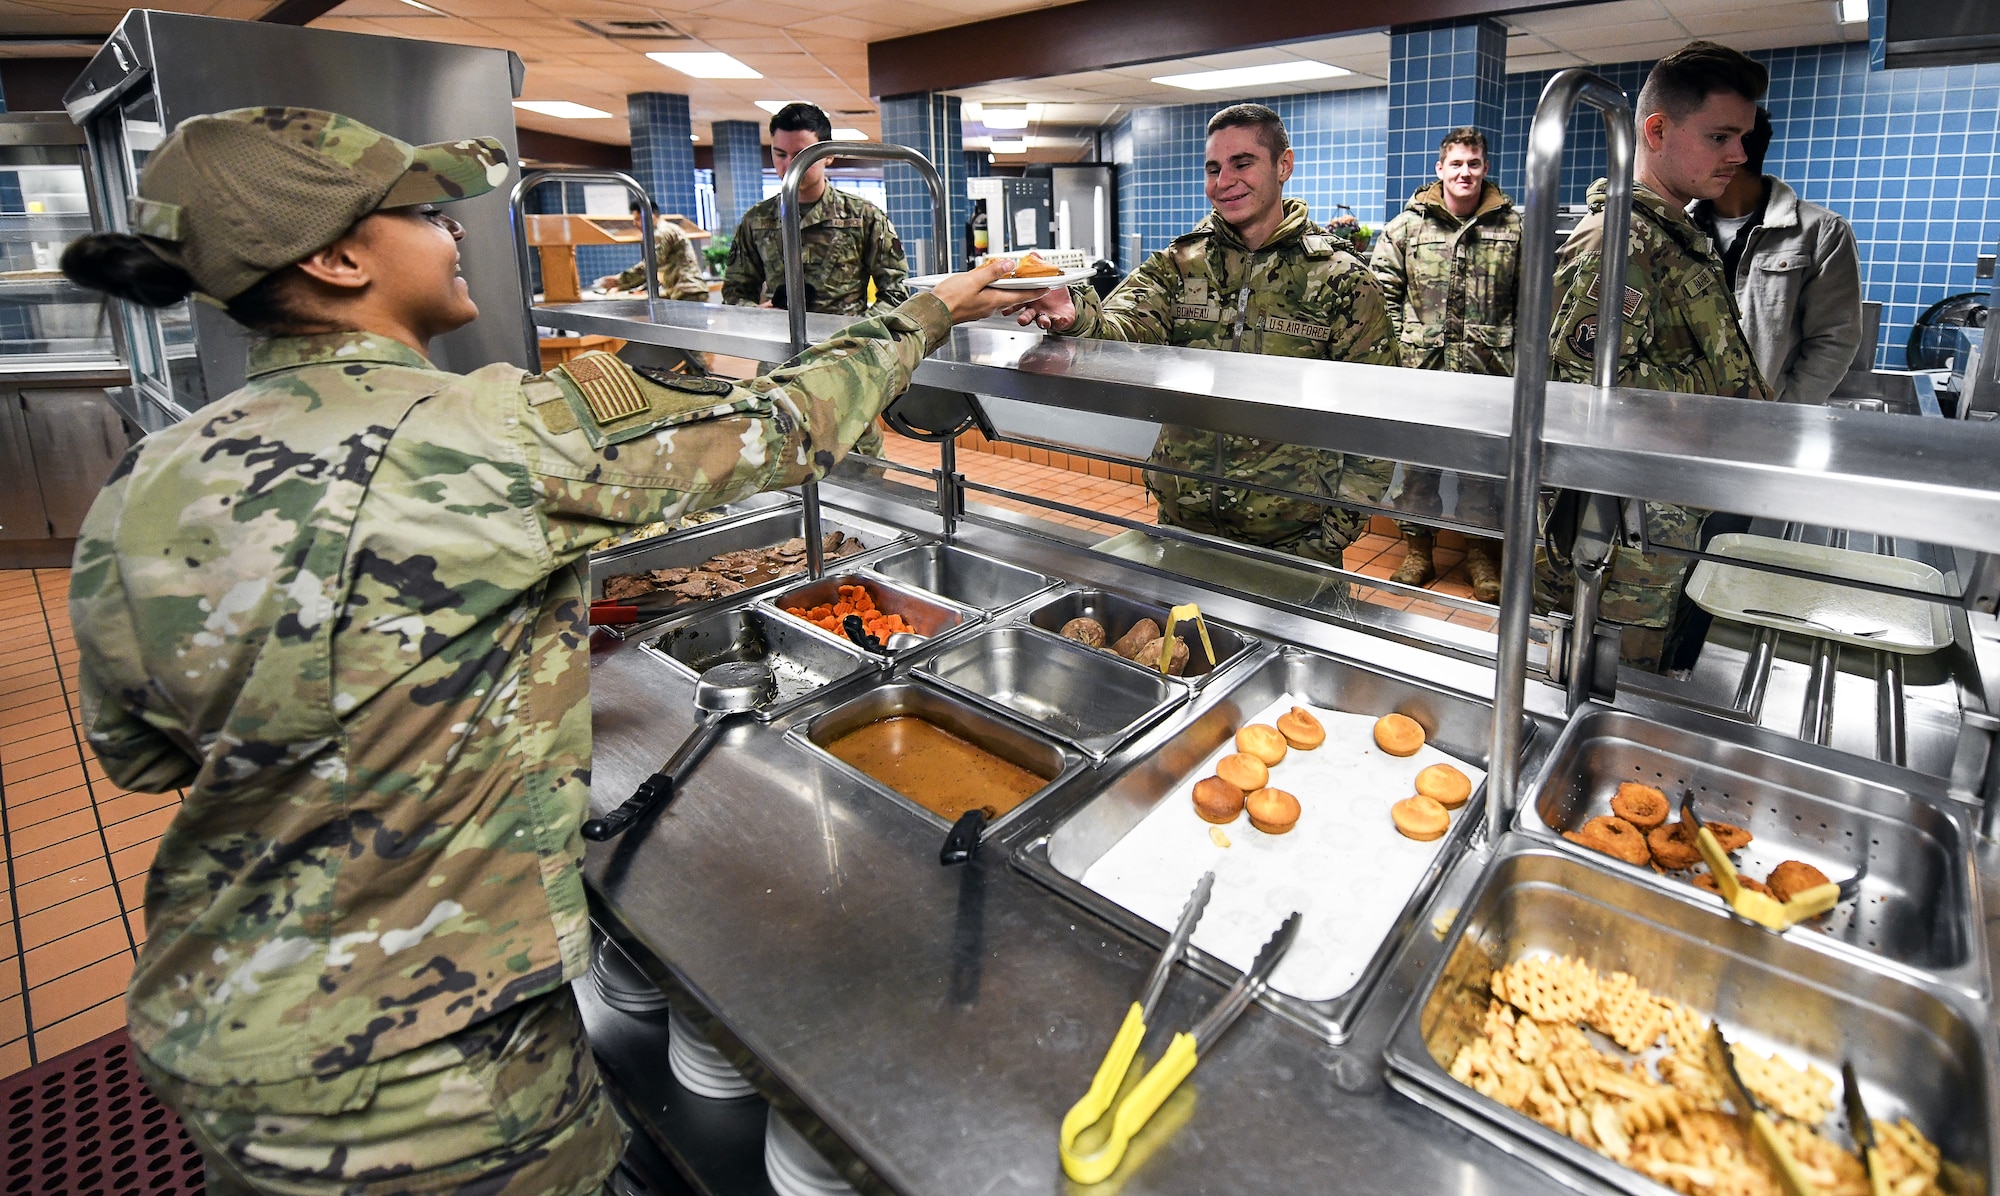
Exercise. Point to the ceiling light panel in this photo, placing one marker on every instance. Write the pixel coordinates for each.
(1852, 12)
(562, 109)
(1295, 71)
(1012, 116)
(849, 135)
(999, 146)
(708, 65)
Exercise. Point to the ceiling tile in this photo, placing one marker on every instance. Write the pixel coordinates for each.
(1591, 16)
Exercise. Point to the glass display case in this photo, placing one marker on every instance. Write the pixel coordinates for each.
(44, 205)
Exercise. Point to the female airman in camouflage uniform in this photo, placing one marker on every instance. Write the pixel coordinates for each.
(344, 609)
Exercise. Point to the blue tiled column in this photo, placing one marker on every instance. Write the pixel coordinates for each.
(978, 164)
(739, 170)
(1441, 78)
(927, 122)
(663, 149)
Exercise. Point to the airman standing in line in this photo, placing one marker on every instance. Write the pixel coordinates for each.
(1448, 265)
(1255, 276)
(680, 269)
(1681, 327)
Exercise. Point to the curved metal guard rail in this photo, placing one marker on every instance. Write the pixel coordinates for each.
(795, 277)
(1534, 316)
(517, 220)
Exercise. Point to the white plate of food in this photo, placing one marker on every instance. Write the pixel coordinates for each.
(1038, 282)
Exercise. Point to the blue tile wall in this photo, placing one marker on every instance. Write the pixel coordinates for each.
(928, 122)
(739, 170)
(1583, 158)
(1440, 79)
(662, 152)
(978, 164)
(1338, 142)
(1907, 156)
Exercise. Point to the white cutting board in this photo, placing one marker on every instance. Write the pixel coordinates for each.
(1343, 866)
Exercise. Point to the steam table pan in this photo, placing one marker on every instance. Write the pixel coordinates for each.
(964, 577)
(1079, 838)
(1917, 907)
(1117, 613)
(928, 615)
(804, 664)
(1080, 695)
(1000, 736)
(1917, 1051)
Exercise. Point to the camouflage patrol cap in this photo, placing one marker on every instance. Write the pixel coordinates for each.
(232, 196)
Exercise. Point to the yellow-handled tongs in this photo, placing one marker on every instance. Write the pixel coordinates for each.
(1190, 612)
(1159, 1083)
(1862, 1129)
(1757, 1124)
(1761, 908)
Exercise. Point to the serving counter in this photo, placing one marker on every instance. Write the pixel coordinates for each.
(1540, 997)
(938, 1022)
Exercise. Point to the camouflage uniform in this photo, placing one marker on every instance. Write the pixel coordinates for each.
(1301, 295)
(1450, 285)
(680, 269)
(848, 242)
(345, 609)
(1681, 334)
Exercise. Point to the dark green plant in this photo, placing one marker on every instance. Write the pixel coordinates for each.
(716, 252)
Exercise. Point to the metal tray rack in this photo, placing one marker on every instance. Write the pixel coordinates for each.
(1917, 907)
(1919, 1050)
(1458, 724)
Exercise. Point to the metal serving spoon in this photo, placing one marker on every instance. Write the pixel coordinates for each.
(722, 692)
(1861, 632)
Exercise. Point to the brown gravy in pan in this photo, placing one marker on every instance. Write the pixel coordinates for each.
(934, 768)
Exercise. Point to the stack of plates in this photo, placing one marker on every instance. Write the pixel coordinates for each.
(699, 1067)
(622, 985)
(794, 1167)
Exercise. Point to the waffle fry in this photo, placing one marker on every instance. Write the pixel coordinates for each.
(1626, 1013)
(1806, 1095)
(1664, 1120)
(1548, 988)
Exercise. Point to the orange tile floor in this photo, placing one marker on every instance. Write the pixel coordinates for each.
(77, 846)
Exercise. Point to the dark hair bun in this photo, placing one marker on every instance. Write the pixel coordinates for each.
(120, 264)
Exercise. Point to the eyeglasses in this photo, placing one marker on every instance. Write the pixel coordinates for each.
(438, 217)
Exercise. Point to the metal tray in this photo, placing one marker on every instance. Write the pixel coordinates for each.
(932, 617)
(1458, 724)
(1917, 907)
(1913, 625)
(1118, 613)
(685, 550)
(1077, 694)
(805, 664)
(965, 577)
(1005, 739)
(1917, 1052)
